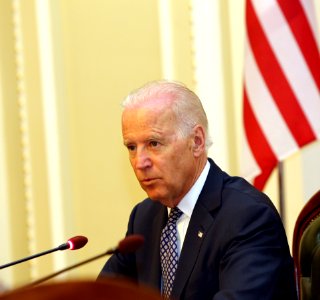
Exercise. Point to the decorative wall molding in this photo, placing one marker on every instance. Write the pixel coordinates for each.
(208, 73)
(24, 128)
(56, 170)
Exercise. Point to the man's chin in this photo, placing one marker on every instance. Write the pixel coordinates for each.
(164, 201)
(155, 197)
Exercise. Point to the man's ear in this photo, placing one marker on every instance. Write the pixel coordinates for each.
(199, 140)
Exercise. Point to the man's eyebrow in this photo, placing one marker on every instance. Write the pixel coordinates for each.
(126, 142)
(153, 136)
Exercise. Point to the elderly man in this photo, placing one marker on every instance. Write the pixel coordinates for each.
(207, 235)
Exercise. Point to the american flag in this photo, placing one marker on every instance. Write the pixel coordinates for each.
(281, 107)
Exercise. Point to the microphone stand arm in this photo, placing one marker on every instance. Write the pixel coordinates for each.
(61, 247)
(69, 268)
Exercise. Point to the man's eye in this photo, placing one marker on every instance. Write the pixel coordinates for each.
(131, 147)
(154, 143)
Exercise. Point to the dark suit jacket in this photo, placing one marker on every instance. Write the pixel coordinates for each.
(242, 254)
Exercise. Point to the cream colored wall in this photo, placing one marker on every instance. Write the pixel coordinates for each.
(115, 51)
(64, 126)
(15, 164)
(64, 68)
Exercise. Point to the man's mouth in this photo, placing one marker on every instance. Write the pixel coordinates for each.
(148, 181)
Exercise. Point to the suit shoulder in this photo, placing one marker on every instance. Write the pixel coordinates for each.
(146, 210)
(147, 204)
(243, 194)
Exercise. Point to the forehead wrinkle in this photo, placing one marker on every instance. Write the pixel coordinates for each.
(154, 119)
(159, 135)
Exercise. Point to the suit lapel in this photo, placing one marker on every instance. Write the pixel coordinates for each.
(201, 220)
(152, 258)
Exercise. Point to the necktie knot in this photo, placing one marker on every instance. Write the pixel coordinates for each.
(174, 215)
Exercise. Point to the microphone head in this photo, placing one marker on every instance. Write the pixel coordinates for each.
(77, 242)
(130, 243)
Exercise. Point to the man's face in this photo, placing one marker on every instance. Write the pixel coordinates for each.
(163, 162)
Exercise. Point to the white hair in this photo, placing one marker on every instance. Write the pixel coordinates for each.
(186, 104)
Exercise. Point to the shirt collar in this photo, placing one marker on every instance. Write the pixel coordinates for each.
(188, 202)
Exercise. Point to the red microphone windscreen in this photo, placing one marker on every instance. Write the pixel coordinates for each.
(130, 243)
(77, 242)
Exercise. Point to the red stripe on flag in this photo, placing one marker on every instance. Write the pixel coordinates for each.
(258, 143)
(276, 80)
(300, 27)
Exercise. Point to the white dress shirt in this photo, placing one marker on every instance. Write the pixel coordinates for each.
(186, 205)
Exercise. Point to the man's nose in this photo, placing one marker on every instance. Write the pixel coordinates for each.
(143, 159)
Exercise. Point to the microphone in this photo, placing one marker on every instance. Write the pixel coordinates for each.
(128, 245)
(76, 242)
(73, 243)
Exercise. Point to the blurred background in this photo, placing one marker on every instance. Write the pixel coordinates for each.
(65, 66)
